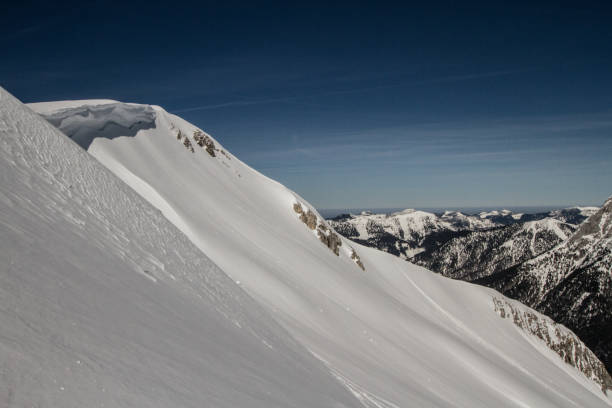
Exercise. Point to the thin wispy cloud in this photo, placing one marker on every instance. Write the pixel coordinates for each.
(232, 104)
(298, 99)
(400, 83)
(519, 142)
(458, 78)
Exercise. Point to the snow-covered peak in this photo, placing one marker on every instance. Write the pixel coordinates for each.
(495, 213)
(403, 212)
(462, 221)
(486, 214)
(449, 213)
(547, 224)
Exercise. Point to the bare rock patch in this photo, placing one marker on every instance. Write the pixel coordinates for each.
(205, 141)
(356, 258)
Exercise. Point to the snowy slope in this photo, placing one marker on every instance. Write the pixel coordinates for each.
(395, 334)
(104, 303)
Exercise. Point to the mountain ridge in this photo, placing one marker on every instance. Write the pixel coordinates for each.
(409, 233)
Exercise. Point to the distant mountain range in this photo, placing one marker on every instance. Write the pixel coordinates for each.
(412, 232)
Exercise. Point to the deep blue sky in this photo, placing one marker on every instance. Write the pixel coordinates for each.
(352, 105)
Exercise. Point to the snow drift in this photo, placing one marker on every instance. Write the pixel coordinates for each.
(395, 334)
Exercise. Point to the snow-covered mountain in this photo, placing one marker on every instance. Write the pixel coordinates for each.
(105, 303)
(411, 232)
(572, 283)
(481, 253)
(395, 334)
(406, 233)
(573, 215)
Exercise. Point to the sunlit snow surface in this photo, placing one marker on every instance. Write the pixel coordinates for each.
(104, 303)
(395, 334)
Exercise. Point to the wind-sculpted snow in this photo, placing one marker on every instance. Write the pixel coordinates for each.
(394, 334)
(104, 303)
(85, 123)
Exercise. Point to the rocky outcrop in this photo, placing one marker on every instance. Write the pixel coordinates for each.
(329, 238)
(201, 139)
(297, 207)
(308, 217)
(356, 258)
(204, 141)
(326, 235)
(188, 145)
(557, 338)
